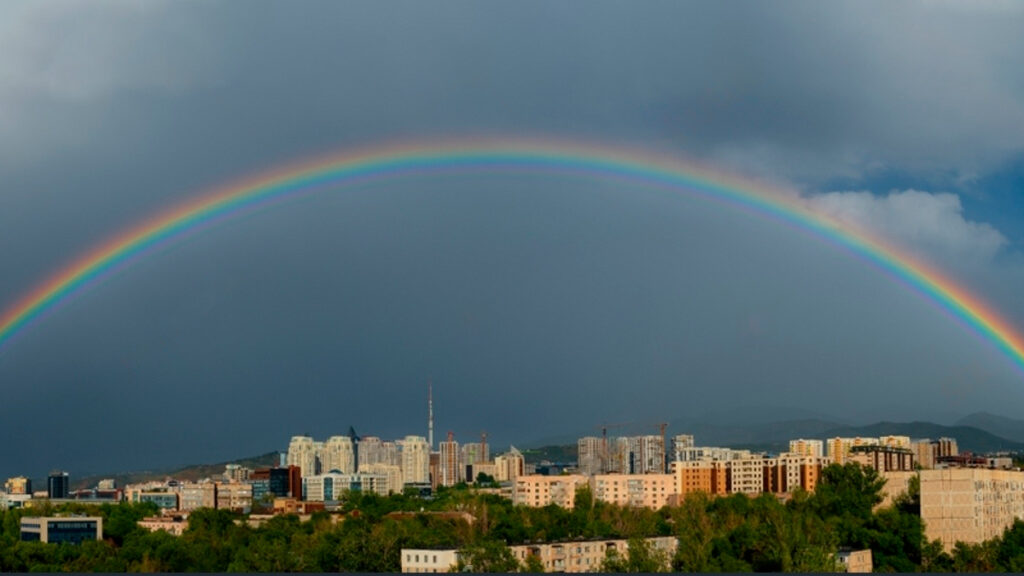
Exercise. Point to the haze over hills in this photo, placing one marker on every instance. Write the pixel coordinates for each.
(1008, 428)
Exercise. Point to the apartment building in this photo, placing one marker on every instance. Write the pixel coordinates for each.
(970, 504)
(538, 491)
(706, 476)
(568, 557)
(639, 490)
(882, 458)
(415, 457)
(509, 466)
(811, 448)
(590, 455)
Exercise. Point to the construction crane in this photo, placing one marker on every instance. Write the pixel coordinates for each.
(604, 441)
(664, 447)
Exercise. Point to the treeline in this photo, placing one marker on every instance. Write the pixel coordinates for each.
(734, 533)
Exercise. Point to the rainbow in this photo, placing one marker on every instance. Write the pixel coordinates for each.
(497, 156)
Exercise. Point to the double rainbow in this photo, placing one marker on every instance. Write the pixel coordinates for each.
(497, 156)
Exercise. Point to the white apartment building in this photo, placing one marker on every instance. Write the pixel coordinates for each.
(302, 453)
(590, 455)
(802, 447)
(338, 454)
(415, 457)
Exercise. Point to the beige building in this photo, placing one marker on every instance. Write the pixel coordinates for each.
(449, 463)
(419, 561)
(855, 561)
(569, 557)
(302, 452)
(18, 485)
(839, 448)
(590, 455)
(638, 490)
(809, 448)
(706, 476)
(746, 476)
(882, 458)
(509, 466)
(896, 483)
(392, 473)
(895, 441)
(415, 456)
(173, 525)
(970, 504)
(539, 491)
(195, 495)
(337, 455)
(234, 496)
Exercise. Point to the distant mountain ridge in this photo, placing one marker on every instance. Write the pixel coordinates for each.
(191, 473)
(1008, 428)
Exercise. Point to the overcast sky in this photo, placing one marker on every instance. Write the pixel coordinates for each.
(537, 304)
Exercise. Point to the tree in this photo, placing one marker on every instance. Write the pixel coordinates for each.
(641, 556)
(532, 565)
(487, 556)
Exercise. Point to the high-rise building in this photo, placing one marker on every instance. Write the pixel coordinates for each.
(57, 485)
(811, 448)
(970, 505)
(681, 442)
(339, 455)
(509, 466)
(281, 482)
(449, 463)
(302, 452)
(371, 451)
(415, 459)
(18, 485)
(590, 455)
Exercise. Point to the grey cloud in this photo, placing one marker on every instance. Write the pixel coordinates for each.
(931, 225)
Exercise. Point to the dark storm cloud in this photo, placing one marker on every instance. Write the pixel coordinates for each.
(536, 305)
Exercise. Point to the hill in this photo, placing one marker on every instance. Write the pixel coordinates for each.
(1008, 428)
(191, 473)
(968, 438)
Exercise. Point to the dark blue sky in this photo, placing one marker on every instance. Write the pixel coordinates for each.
(538, 305)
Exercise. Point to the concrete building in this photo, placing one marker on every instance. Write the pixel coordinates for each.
(449, 463)
(970, 504)
(302, 452)
(855, 561)
(420, 561)
(691, 476)
(681, 442)
(711, 453)
(339, 455)
(509, 466)
(882, 458)
(746, 476)
(811, 448)
(57, 485)
(196, 495)
(539, 491)
(895, 441)
(57, 529)
(590, 455)
(18, 485)
(587, 556)
(415, 455)
(391, 473)
(173, 525)
(236, 473)
(282, 482)
(637, 490)
(234, 496)
(164, 499)
(839, 448)
(568, 557)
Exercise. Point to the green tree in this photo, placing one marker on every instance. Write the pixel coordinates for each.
(487, 556)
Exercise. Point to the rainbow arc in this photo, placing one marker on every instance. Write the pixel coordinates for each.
(497, 156)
